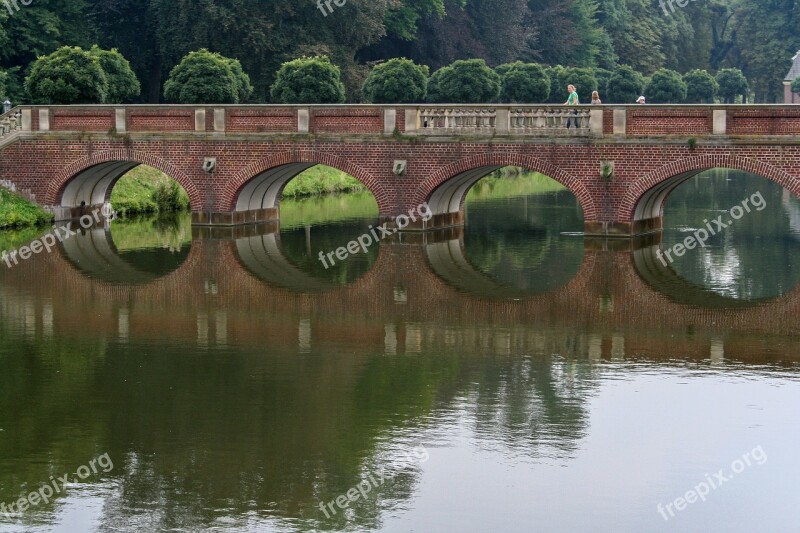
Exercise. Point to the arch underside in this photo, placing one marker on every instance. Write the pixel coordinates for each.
(449, 197)
(651, 204)
(93, 186)
(264, 190)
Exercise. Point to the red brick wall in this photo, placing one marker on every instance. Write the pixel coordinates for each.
(668, 121)
(66, 119)
(343, 120)
(764, 121)
(261, 120)
(161, 119)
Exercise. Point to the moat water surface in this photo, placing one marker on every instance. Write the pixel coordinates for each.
(510, 376)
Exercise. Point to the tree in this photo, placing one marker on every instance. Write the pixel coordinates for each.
(308, 80)
(243, 87)
(524, 82)
(625, 85)
(122, 82)
(666, 87)
(602, 76)
(582, 78)
(69, 75)
(701, 87)
(204, 77)
(3, 88)
(468, 81)
(397, 81)
(732, 83)
(795, 86)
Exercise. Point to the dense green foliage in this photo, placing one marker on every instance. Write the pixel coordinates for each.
(308, 80)
(625, 86)
(732, 83)
(16, 211)
(147, 190)
(523, 82)
(467, 81)
(666, 87)
(321, 179)
(582, 78)
(397, 81)
(123, 85)
(757, 36)
(795, 86)
(701, 87)
(67, 76)
(205, 77)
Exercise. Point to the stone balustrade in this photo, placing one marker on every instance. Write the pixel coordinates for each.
(10, 122)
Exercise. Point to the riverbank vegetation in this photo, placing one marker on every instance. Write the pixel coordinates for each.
(147, 190)
(18, 212)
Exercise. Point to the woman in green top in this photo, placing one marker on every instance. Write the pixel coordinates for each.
(572, 100)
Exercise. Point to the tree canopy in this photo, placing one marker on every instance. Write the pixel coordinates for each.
(468, 81)
(398, 81)
(205, 77)
(524, 82)
(666, 87)
(308, 80)
(69, 75)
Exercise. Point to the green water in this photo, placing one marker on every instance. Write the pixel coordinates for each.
(510, 377)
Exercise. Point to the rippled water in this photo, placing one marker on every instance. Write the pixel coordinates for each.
(510, 376)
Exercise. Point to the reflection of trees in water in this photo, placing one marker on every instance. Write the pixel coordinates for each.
(197, 438)
(748, 259)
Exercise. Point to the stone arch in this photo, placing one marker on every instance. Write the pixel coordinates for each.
(93, 177)
(646, 197)
(448, 187)
(262, 182)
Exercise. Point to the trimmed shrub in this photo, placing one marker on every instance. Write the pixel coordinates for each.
(625, 85)
(69, 75)
(701, 87)
(666, 87)
(469, 81)
(397, 81)
(525, 82)
(204, 77)
(308, 80)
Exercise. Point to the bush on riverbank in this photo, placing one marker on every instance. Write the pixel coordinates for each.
(17, 212)
(322, 180)
(147, 190)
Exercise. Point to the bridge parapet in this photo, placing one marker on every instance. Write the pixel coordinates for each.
(440, 120)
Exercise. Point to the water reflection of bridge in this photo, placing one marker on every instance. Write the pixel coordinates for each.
(240, 288)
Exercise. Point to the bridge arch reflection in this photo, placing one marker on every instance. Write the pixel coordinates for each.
(93, 252)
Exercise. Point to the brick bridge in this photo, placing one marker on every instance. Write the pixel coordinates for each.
(621, 162)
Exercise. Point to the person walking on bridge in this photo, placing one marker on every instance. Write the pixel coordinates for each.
(572, 100)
